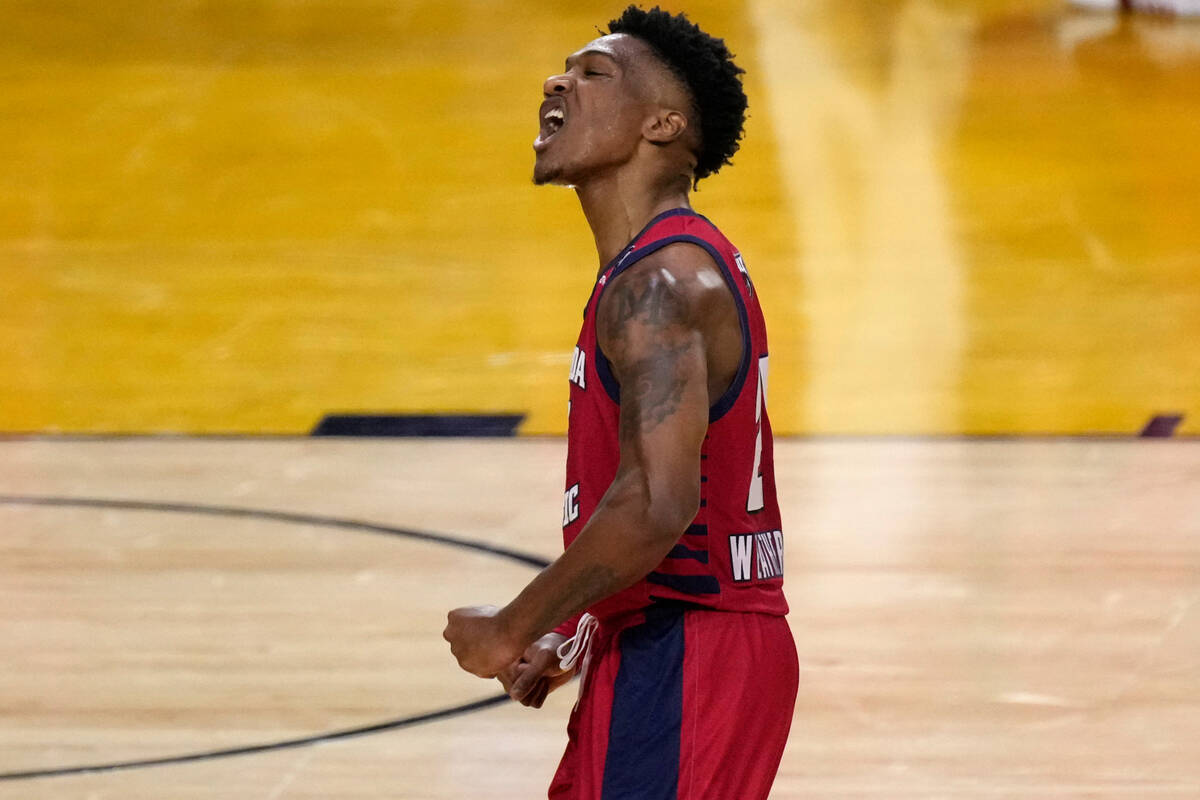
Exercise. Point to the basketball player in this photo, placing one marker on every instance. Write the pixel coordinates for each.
(674, 547)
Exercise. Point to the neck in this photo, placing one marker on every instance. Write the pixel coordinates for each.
(618, 206)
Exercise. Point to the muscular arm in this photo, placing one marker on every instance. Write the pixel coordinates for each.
(651, 325)
(670, 329)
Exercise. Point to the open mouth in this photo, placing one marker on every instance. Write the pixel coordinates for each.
(552, 118)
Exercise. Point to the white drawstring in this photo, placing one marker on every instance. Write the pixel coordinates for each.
(577, 645)
(578, 649)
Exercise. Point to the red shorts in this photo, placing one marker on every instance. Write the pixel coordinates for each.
(681, 705)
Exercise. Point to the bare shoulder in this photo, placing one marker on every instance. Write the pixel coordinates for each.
(678, 286)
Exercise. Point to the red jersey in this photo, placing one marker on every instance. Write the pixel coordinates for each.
(731, 557)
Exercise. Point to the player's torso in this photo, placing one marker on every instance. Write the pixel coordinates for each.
(731, 556)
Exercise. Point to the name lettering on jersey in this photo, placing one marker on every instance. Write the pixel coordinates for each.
(571, 505)
(770, 560)
(741, 265)
(578, 368)
(761, 551)
(740, 546)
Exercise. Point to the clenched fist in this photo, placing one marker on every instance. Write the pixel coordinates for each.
(481, 641)
(538, 673)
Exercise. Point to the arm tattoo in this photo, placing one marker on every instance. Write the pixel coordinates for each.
(656, 391)
(653, 381)
(648, 299)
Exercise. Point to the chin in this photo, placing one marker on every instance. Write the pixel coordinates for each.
(546, 173)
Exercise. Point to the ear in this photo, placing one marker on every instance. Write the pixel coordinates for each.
(665, 126)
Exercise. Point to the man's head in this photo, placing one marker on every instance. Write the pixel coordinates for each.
(656, 88)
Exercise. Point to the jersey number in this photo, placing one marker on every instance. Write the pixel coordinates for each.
(754, 501)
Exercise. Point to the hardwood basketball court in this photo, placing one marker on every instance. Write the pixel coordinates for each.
(975, 619)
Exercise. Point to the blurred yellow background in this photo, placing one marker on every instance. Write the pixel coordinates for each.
(236, 217)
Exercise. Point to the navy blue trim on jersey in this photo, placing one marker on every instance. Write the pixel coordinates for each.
(660, 605)
(687, 584)
(604, 370)
(683, 551)
(696, 530)
(642, 762)
(674, 212)
(726, 401)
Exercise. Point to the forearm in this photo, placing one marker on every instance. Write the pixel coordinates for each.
(627, 536)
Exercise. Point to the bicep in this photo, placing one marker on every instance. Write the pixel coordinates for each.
(664, 398)
(649, 332)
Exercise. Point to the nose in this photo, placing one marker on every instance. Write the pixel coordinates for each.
(556, 84)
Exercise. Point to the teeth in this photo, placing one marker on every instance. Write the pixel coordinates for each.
(555, 113)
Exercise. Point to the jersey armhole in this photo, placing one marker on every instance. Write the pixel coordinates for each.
(729, 397)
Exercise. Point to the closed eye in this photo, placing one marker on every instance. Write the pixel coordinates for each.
(588, 58)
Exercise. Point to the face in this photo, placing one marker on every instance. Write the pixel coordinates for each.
(592, 114)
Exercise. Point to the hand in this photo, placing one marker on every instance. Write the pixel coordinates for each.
(537, 673)
(480, 640)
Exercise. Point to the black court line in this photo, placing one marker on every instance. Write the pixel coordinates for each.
(280, 516)
(391, 725)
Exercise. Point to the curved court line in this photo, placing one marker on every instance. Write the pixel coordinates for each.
(281, 516)
(304, 741)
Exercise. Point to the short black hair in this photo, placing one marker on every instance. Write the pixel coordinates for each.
(706, 67)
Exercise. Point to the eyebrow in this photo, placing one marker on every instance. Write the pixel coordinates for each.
(573, 58)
